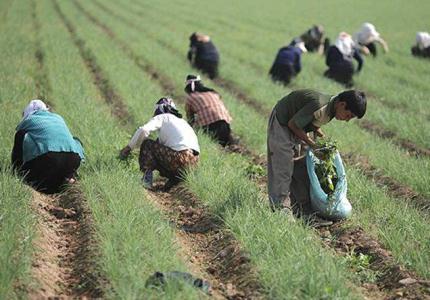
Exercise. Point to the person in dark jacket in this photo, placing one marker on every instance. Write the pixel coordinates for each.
(205, 109)
(339, 60)
(287, 63)
(44, 151)
(422, 46)
(203, 54)
(314, 39)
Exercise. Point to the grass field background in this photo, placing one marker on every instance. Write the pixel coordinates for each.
(133, 237)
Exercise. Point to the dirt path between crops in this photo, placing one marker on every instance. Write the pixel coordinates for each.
(210, 249)
(63, 262)
(394, 280)
(207, 244)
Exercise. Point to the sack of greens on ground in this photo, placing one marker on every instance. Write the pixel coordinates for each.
(327, 177)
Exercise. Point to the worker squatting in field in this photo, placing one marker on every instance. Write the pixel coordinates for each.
(44, 151)
(339, 60)
(422, 46)
(287, 63)
(367, 37)
(205, 109)
(295, 115)
(175, 149)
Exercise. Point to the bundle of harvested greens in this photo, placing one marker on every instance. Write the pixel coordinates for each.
(325, 168)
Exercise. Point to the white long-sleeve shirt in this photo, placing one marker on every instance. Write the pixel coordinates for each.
(173, 132)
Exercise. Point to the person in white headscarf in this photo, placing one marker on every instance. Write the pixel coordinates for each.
(422, 46)
(366, 39)
(44, 151)
(339, 60)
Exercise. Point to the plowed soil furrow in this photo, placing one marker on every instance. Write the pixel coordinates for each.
(64, 261)
(394, 280)
(43, 87)
(227, 266)
(216, 253)
(192, 221)
(409, 146)
(118, 108)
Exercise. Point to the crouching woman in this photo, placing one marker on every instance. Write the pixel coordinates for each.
(44, 151)
(175, 149)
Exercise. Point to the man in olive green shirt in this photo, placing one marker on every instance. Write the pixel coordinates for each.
(295, 115)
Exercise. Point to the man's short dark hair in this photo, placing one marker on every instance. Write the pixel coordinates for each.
(355, 102)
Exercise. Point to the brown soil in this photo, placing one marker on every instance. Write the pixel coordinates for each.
(378, 130)
(392, 279)
(63, 263)
(119, 109)
(210, 246)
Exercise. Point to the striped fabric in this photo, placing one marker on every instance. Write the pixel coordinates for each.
(206, 108)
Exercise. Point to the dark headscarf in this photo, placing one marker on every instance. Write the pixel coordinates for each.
(194, 84)
(166, 106)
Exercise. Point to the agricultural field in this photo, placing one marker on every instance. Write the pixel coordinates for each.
(102, 64)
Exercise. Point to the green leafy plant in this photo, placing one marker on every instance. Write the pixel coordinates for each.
(325, 167)
(255, 171)
(360, 263)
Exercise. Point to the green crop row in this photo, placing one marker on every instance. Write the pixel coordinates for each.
(134, 239)
(239, 192)
(144, 45)
(16, 218)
